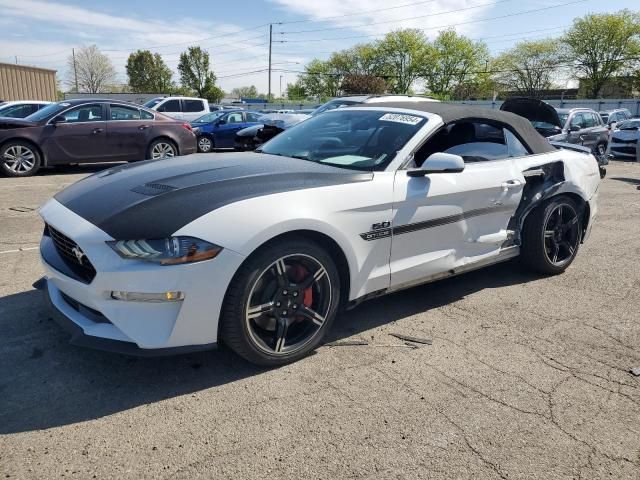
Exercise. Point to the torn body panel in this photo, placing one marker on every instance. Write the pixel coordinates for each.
(571, 172)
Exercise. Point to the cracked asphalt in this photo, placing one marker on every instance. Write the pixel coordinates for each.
(527, 377)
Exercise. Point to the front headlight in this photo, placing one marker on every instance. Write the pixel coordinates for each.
(166, 251)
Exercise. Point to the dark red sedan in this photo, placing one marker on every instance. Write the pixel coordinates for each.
(89, 131)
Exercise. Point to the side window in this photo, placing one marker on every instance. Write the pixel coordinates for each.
(170, 106)
(234, 117)
(473, 141)
(120, 112)
(252, 117)
(146, 115)
(193, 105)
(578, 120)
(516, 148)
(86, 113)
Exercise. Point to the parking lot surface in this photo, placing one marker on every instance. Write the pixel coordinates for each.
(526, 377)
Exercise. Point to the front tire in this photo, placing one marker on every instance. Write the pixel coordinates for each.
(19, 159)
(281, 303)
(551, 236)
(205, 144)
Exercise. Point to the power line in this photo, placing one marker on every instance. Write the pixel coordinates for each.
(535, 10)
(397, 20)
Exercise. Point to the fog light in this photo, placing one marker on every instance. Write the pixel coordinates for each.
(147, 297)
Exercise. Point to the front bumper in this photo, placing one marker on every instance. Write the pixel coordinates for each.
(143, 327)
(624, 150)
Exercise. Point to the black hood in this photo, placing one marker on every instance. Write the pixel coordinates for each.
(532, 109)
(154, 199)
(9, 123)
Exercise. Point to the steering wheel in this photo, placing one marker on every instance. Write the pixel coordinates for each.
(323, 144)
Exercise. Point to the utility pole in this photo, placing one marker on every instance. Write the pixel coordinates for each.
(281, 85)
(75, 71)
(16, 59)
(270, 42)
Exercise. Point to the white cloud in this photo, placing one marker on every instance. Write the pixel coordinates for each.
(231, 49)
(378, 17)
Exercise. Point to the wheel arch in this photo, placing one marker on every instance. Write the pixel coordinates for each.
(164, 137)
(43, 157)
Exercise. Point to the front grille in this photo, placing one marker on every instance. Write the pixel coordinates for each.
(629, 141)
(67, 249)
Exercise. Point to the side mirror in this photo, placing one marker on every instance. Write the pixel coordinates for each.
(574, 128)
(439, 163)
(58, 119)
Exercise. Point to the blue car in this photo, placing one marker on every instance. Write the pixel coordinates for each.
(218, 129)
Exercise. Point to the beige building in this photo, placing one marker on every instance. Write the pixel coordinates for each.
(20, 82)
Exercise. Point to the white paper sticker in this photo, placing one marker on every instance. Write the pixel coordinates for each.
(401, 118)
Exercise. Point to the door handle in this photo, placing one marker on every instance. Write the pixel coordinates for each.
(143, 127)
(97, 130)
(509, 184)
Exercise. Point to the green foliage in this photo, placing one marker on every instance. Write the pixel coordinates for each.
(453, 60)
(321, 79)
(296, 91)
(214, 94)
(529, 67)
(404, 55)
(245, 92)
(604, 45)
(195, 71)
(369, 84)
(148, 73)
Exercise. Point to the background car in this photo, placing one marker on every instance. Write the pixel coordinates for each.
(580, 126)
(181, 108)
(88, 131)
(218, 129)
(613, 117)
(21, 109)
(625, 139)
(355, 99)
(252, 137)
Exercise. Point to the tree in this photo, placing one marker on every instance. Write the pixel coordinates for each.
(245, 92)
(321, 79)
(195, 72)
(529, 67)
(603, 45)
(147, 72)
(93, 70)
(455, 59)
(296, 91)
(404, 54)
(214, 94)
(369, 84)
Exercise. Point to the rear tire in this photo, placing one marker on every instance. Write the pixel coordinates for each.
(551, 236)
(281, 303)
(162, 148)
(19, 159)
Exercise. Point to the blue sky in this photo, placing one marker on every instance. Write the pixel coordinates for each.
(235, 32)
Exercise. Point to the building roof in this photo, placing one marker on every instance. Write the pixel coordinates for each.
(450, 112)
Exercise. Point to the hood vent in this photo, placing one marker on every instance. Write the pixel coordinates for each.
(153, 189)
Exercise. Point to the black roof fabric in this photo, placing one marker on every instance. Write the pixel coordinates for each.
(450, 112)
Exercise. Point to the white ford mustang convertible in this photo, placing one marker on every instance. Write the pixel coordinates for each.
(260, 250)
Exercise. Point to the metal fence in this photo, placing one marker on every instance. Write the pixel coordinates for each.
(599, 105)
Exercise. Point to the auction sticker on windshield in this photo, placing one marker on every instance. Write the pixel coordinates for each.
(401, 118)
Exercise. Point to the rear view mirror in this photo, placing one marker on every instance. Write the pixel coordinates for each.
(439, 163)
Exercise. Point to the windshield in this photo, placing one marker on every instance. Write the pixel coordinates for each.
(563, 118)
(153, 102)
(48, 111)
(209, 117)
(629, 125)
(354, 139)
(332, 105)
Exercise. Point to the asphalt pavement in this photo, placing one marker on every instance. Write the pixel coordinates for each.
(526, 377)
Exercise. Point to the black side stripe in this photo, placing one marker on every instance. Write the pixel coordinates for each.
(436, 222)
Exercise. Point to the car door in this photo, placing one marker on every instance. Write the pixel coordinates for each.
(129, 132)
(172, 108)
(77, 135)
(227, 128)
(443, 221)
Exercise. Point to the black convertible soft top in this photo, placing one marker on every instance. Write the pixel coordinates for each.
(450, 112)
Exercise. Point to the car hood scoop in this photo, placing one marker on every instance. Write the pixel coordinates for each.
(154, 199)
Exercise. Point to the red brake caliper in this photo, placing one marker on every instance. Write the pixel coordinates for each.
(299, 273)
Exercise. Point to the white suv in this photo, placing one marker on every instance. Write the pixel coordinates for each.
(181, 108)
